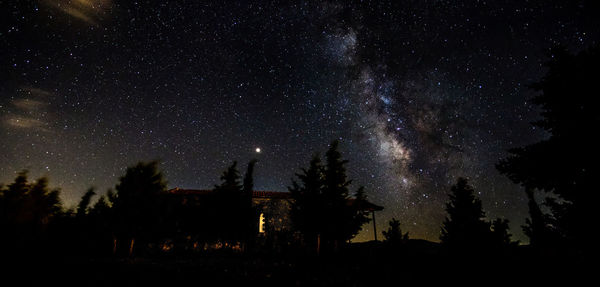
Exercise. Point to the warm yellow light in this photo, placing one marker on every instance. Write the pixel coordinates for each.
(261, 223)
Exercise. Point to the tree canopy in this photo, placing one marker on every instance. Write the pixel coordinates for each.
(465, 226)
(237, 219)
(27, 209)
(322, 205)
(138, 203)
(393, 235)
(564, 163)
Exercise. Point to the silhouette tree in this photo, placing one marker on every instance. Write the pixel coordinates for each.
(337, 213)
(238, 219)
(100, 222)
(230, 181)
(358, 212)
(82, 228)
(101, 206)
(464, 228)
(565, 163)
(229, 193)
(322, 207)
(13, 200)
(501, 234)
(537, 227)
(394, 235)
(249, 178)
(26, 211)
(42, 202)
(250, 214)
(137, 204)
(307, 210)
(84, 203)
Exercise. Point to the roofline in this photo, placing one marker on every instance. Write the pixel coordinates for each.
(255, 193)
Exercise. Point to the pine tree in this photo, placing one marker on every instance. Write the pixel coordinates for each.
(101, 206)
(230, 206)
(393, 235)
(42, 203)
(138, 204)
(82, 207)
(322, 206)
(13, 199)
(307, 211)
(250, 214)
(565, 163)
(500, 233)
(337, 212)
(359, 214)
(249, 178)
(537, 226)
(26, 212)
(464, 228)
(230, 181)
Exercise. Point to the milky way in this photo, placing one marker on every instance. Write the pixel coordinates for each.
(417, 92)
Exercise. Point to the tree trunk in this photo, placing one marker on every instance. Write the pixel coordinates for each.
(114, 246)
(374, 225)
(318, 244)
(132, 243)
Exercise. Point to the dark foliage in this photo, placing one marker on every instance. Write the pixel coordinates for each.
(538, 226)
(307, 209)
(565, 163)
(360, 216)
(393, 235)
(84, 203)
(229, 198)
(322, 209)
(236, 217)
(465, 227)
(249, 214)
(138, 205)
(501, 234)
(27, 209)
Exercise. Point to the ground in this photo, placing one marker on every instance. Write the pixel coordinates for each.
(363, 264)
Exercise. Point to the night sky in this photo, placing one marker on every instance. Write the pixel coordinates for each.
(418, 93)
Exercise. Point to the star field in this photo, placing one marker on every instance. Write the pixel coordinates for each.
(417, 92)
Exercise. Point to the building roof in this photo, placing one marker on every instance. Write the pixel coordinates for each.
(363, 205)
(255, 194)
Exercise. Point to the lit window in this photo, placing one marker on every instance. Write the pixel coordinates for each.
(261, 223)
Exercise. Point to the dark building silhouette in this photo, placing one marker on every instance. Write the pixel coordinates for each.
(274, 207)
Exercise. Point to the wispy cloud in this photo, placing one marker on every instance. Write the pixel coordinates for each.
(88, 11)
(37, 92)
(29, 104)
(26, 123)
(29, 110)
